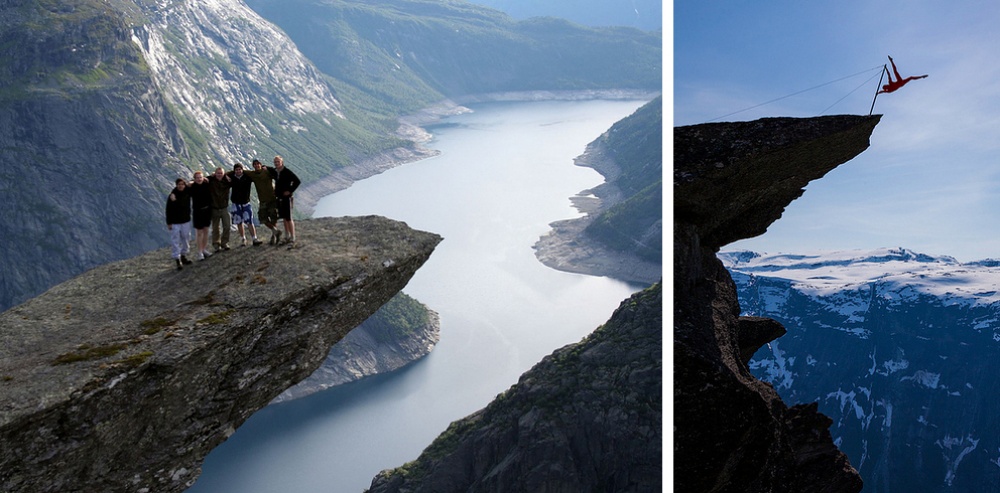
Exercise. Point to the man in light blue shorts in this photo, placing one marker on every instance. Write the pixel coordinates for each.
(242, 213)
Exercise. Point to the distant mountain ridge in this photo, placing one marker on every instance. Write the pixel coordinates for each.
(409, 53)
(901, 349)
(642, 14)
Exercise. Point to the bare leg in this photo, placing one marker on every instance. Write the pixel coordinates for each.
(898, 77)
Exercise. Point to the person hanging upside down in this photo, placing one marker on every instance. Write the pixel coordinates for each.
(899, 82)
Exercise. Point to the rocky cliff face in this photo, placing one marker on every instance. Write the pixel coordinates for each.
(123, 378)
(586, 418)
(401, 332)
(84, 132)
(217, 59)
(731, 181)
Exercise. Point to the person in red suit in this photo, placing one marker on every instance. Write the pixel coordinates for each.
(899, 82)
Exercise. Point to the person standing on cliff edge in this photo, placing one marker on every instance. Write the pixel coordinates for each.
(285, 183)
(201, 212)
(240, 210)
(899, 82)
(179, 222)
(267, 210)
(219, 184)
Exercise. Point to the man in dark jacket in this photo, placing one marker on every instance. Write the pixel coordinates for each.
(219, 184)
(179, 222)
(285, 183)
(201, 212)
(242, 213)
(267, 211)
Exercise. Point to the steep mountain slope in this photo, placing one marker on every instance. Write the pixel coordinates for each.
(89, 141)
(900, 349)
(586, 418)
(634, 223)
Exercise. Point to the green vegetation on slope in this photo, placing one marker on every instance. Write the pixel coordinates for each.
(399, 316)
(635, 224)
(60, 47)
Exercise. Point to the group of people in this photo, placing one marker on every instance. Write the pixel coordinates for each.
(222, 200)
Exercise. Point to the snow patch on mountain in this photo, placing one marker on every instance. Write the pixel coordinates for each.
(902, 273)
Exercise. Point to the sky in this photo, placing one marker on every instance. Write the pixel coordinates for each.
(930, 181)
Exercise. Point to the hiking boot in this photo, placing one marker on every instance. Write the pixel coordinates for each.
(185, 261)
(179, 265)
(257, 242)
(243, 241)
(225, 248)
(277, 237)
(274, 239)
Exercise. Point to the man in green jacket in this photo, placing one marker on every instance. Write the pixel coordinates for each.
(263, 181)
(219, 184)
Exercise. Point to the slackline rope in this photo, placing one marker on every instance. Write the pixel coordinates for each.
(800, 92)
(852, 92)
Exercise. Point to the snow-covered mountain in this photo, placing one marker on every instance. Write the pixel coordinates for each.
(900, 349)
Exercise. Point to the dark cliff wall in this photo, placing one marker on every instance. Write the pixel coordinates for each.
(731, 181)
(586, 418)
(125, 377)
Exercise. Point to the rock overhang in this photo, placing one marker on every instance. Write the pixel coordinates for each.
(182, 357)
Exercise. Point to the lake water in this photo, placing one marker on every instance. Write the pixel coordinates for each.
(505, 172)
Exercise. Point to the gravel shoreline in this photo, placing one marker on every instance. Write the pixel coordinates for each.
(567, 248)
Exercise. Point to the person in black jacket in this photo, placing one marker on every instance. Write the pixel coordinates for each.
(242, 213)
(219, 184)
(201, 212)
(285, 183)
(179, 222)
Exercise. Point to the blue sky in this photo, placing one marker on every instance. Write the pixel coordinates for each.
(930, 181)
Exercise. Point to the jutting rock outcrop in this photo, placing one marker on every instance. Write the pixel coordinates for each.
(732, 431)
(125, 377)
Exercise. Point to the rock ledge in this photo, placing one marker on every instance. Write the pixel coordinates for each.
(125, 377)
